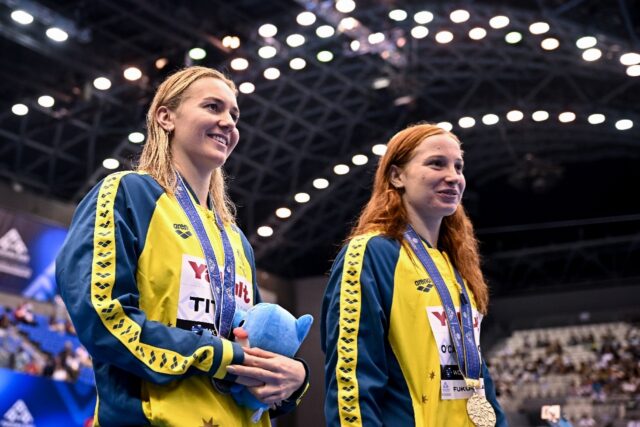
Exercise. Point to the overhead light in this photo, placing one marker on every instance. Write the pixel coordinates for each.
(592, 54)
(102, 83)
(110, 163)
(354, 45)
(444, 36)
(566, 117)
(466, 122)
(458, 16)
(539, 28)
(359, 159)
(247, 87)
(381, 83)
(398, 15)
(267, 30)
(490, 119)
(136, 137)
(283, 213)
(265, 231)
(596, 119)
(515, 115)
(325, 31)
(132, 73)
(345, 6)
(267, 52)
(341, 169)
(306, 18)
(445, 125)
(379, 149)
(419, 32)
(347, 24)
(423, 17)
(197, 53)
(239, 64)
(513, 37)
(231, 42)
(403, 100)
(324, 56)
(633, 71)
(22, 17)
(550, 43)
(630, 58)
(20, 109)
(540, 116)
(320, 183)
(498, 22)
(295, 40)
(477, 33)
(271, 73)
(375, 38)
(586, 42)
(297, 63)
(302, 197)
(46, 101)
(57, 34)
(624, 124)
(161, 63)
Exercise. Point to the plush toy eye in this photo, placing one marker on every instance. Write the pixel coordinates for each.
(241, 324)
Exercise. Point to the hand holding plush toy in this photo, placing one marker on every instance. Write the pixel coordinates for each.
(272, 328)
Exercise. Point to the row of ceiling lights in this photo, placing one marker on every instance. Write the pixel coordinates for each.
(268, 31)
(464, 122)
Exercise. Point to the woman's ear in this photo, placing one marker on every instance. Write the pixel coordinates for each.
(395, 177)
(165, 118)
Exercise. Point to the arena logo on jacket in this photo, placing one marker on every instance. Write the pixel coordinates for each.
(452, 384)
(196, 305)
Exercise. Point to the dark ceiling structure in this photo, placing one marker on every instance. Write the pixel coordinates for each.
(554, 199)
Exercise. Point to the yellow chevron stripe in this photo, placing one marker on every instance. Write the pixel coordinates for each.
(350, 303)
(110, 311)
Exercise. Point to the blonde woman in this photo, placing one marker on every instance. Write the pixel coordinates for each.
(154, 267)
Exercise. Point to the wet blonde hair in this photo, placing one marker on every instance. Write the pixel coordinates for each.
(156, 156)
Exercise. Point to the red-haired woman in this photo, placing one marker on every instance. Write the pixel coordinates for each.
(402, 310)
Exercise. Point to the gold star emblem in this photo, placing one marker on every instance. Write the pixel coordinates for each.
(432, 375)
(208, 423)
(424, 399)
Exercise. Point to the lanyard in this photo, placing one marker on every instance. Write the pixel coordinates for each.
(221, 287)
(461, 334)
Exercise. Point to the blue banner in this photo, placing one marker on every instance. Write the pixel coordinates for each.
(31, 401)
(28, 248)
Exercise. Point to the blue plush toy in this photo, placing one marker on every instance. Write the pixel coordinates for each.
(272, 328)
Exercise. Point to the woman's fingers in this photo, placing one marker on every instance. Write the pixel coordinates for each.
(255, 351)
(256, 373)
(249, 381)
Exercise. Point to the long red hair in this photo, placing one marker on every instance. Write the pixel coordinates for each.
(385, 212)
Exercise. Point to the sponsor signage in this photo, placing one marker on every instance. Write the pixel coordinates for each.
(31, 401)
(28, 248)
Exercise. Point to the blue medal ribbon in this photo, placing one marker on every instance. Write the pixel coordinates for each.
(222, 288)
(462, 334)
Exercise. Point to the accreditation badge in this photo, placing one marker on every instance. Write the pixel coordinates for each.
(452, 382)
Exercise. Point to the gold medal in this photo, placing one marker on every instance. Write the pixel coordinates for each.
(480, 411)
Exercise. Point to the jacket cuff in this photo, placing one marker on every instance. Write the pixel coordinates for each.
(297, 395)
(232, 354)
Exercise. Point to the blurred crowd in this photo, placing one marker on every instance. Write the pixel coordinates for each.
(19, 353)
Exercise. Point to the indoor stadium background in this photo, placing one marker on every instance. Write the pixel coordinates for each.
(543, 94)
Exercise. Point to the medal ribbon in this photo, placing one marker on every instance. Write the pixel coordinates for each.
(462, 334)
(222, 287)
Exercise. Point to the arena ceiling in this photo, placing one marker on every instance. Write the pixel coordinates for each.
(555, 203)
